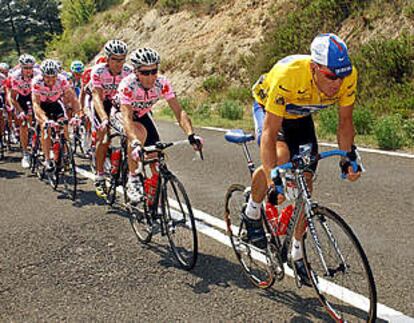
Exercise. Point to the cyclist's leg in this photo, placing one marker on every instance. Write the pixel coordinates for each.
(134, 187)
(152, 136)
(24, 102)
(46, 142)
(258, 113)
(2, 122)
(101, 136)
(300, 132)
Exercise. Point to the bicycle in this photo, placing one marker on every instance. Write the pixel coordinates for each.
(79, 139)
(64, 161)
(332, 251)
(164, 207)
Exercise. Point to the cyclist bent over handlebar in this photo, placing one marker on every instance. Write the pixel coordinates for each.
(289, 93)
(51, 91)
(138, 93)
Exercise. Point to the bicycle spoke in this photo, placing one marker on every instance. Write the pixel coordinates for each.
(255, 263)
(348, 282)
(180, 223)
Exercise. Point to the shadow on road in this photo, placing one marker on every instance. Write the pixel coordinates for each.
(8, 173)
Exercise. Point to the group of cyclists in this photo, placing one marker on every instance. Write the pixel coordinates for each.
(110, 91)
(284, 100)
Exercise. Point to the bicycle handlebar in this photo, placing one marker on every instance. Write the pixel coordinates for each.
(160, 146)
(302, 161)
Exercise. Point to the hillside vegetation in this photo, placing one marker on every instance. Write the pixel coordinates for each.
(214, 50)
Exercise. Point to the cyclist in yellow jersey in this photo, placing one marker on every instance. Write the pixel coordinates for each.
(285, 98)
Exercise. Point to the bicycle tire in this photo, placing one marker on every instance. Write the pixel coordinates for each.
(258, 272)
(358, 266)
(179, 222)
(69, 174)
(139, 216)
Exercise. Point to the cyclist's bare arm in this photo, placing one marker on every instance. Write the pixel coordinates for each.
(127, 115)
(82, 97)
(69, 96)
(39, 113)
(268, 153)
(15, 103)
(346, 132)
(181, 116)
(98, 98)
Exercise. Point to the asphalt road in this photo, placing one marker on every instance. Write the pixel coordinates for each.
(78, 261)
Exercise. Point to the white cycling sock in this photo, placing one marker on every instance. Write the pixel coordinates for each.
(297, 252)
(253, 209)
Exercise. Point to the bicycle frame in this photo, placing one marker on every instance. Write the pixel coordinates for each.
(305, 205)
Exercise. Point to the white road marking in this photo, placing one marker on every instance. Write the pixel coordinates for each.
(205, 224)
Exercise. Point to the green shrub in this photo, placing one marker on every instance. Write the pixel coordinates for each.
(389, 132)
(167, 111)
(363, 120)
(203, 111)
(386, 61)
(188, 105)
(86, 48)
(293, 33)
(409, 130)
(213, 83)
(231, 110)
(328, 121)
(243, 94)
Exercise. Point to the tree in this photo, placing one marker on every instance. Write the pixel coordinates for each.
(27, 25)
(77, 12)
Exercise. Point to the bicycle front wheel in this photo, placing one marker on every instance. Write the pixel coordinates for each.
(179, 223)
(69, 175)
(254, 261)
(346, 286)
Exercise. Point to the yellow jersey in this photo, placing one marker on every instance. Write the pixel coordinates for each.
(288, 89)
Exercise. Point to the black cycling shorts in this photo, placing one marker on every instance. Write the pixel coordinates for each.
(107, 104)
(25, 102)
(53, 110)
(296, 132)
(148, 123)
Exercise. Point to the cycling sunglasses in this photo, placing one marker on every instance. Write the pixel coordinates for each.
(118, 59)
(330, 75)
(148, 72)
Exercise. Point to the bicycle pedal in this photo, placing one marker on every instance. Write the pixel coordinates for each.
(155, 228)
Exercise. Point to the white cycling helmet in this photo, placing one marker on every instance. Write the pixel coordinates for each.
(27, 60)
(145, 57)
(115, 47)
(49, 67)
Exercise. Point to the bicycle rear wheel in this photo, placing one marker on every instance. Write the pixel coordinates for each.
(348, 290)
(179, 222)
(256, 265)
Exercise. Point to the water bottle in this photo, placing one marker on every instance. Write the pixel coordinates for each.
(115, 160)
(272, 217)
(150, 186)
(56, 149)
(284, 220)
